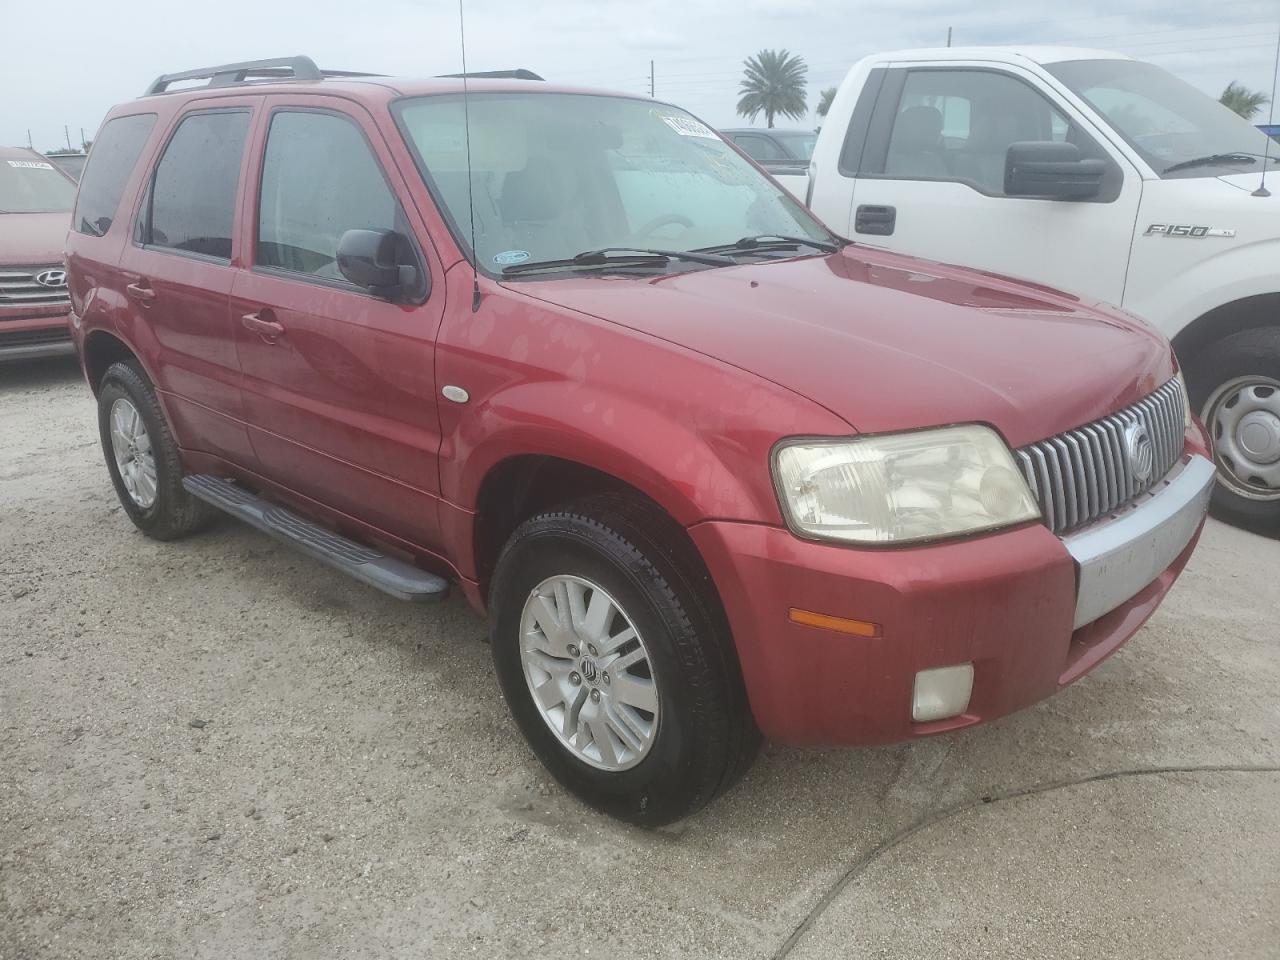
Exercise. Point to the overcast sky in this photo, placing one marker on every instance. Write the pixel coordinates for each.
(100, 52)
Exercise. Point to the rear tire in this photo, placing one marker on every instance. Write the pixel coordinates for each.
(1235, 389)
(685, 731)
(143, 458)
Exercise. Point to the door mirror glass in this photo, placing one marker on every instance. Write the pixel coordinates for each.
(373, 259)
(1053, 171)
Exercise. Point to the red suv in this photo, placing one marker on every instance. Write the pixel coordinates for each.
(35, 206)
(713, 471)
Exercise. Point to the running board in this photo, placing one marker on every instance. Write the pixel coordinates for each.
(388, 574)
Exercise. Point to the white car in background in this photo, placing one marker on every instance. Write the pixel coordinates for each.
(1093, 173)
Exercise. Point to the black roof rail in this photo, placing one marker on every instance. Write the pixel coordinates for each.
(229, 74)
(517, 74)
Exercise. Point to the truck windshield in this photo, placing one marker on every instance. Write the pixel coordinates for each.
(1170, 123)
(34, 186)
(555, 175)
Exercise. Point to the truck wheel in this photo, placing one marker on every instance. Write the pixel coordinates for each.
(617, 663)
(1235, 384)
(142, 457)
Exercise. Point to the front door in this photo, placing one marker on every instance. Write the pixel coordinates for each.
(930, 181)
(339, 384)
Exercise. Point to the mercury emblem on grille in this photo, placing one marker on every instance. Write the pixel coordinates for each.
(1137, 444)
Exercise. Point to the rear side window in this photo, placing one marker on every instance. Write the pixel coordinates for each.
(115, 151)
(319, 180)
(192, 199)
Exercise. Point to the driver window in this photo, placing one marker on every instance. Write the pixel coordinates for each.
(319, 179)
(958, 125)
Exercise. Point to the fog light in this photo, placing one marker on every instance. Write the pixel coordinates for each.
(942, 692)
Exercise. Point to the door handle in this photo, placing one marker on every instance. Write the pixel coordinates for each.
(874, 219)
(262, 324)
(141, 291)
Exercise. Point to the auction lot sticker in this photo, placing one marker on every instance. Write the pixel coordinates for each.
(31, 164)
(688, 127)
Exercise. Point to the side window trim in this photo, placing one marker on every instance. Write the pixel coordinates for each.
(859, 133)
(255, 210)
(876, 155)
(140, 234)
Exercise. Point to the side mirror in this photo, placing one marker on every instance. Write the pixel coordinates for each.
(1054, 171)
(372, 259)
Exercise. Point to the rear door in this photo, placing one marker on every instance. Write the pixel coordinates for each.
(177, 274)
(929, 179)
(341, 401)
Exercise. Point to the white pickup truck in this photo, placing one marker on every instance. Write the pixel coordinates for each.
(1094, 173)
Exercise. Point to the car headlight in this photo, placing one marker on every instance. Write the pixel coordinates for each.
(901, 487)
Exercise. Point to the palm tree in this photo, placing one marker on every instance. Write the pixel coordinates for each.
(824, 101)
(774, 84)
(1242, 100)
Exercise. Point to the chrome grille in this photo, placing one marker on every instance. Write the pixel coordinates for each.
(1085, 473)
(18, 287)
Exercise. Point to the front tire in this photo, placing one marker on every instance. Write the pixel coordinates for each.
(143, 458)
(1235, 387)
(616, 662)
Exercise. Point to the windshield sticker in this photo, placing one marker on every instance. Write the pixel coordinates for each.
(689, 127)
(31, 164)
(508, 257)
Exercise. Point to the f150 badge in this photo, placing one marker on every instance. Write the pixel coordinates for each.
(1186, 230)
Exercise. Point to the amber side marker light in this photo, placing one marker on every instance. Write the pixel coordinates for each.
(856, 628)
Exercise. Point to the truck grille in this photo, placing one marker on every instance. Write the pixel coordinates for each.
(1085, 473)
(19, 286)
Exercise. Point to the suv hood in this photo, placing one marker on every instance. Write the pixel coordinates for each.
(888, 342)
(36, 238)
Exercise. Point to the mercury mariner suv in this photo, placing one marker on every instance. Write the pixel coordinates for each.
(712, 471)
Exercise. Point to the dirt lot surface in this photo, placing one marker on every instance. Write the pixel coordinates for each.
(219, 749)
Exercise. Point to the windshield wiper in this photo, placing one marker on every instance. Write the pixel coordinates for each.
(620, 256)
(769, 241)
(1211, 159)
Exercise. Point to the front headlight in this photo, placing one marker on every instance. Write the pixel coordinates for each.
(902, 487)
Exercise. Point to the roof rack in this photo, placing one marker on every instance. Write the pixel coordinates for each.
(229, 74)
(517, 74)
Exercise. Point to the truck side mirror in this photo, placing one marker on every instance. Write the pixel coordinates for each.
(371, 259)
(1051, 170)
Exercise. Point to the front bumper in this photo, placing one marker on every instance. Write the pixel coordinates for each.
(26, 337)
(1010, 603)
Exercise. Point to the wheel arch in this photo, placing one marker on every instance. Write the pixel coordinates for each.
(1245, 313)
(101, 349)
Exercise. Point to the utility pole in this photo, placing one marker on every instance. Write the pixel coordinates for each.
(30, 145)
(650, 79)
(66, 132)
(948, 36)
(82, 140)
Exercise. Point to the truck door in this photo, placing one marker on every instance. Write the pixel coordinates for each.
(929, 179)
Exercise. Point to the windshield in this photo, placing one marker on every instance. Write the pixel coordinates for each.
(555, 175)
(1167, 121)
(34, 186)
(799, 145)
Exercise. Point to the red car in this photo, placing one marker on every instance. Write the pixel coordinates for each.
(712, 471)
(35, 209)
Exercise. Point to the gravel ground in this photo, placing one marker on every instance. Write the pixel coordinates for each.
(217, 748)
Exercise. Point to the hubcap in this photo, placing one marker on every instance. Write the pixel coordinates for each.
(1244, 418)
(131, 447)
(589, 672)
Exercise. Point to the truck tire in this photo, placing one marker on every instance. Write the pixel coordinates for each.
(142, 457)
(615, 659)
(1235, 388)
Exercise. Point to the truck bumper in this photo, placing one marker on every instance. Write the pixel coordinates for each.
(1031, 612)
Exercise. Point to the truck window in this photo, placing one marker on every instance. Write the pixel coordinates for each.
(958, 125)
(191, 203)
(759, 148)
(319, 179)
(115, 151)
